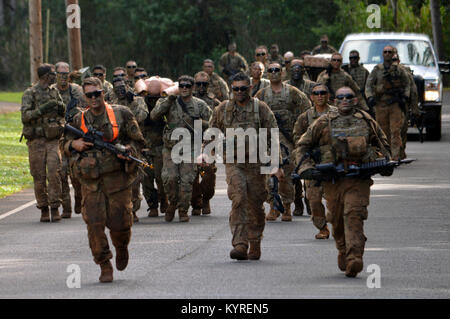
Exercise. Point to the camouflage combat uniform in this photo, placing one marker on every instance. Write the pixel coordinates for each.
(246, 184)
(359, 74)
(106, 181)
(286, 106)
(235, 63)
(178, 179)
(263, 83)
(304, 85)
(319, 49)
(357, 138)
(339, 79)
(313, 193)
(74, 91)
(43, 132)
(218, 87)
(389, 113)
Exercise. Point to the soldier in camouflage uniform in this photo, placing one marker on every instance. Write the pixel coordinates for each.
(231, 63)
(180, 112)
(336, 78)
(106, 178)
(287, 103)
(298, 79)
(256, 80)
(347, 135)
(131, 67)
(288, 58)
(122, 96)
(119, 72)
(323, 47)
(246, 187)
(358, 72)
(217, 85)
(314, 193)
(43, 125)
(73, 98)
(387, 89)
(153, 135)
(262, 55)
(275, 56)
(204, 190)
(99, 71)
(412, 105)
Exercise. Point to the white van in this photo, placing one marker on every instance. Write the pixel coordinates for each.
(416, 51)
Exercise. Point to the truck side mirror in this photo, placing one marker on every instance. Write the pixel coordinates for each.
(444, 67)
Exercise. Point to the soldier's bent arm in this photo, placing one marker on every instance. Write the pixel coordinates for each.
(300, 100)
(370, 84)
(134, 134)
(28, 111)
(161, 108)
(217, 116)
(308, 141)
(300, 126)
(139, 110)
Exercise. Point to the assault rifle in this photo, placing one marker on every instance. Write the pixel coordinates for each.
(331, 172)
(273, 183)
(96, 137)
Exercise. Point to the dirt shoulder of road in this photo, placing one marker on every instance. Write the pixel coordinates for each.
(7, 107)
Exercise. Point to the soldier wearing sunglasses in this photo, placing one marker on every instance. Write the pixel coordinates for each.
(387, 90)
(324, 47)
(231, 63)
(99, 71)
(43, 113)
(178, 178)
(358, 72)
(118, 73)
(349, 135)
(287, 103)
(217, 85)
(106, 178)
(261, 55)
(335, 78)
(131, 67)
(314, 194)
(299, 77)
(246, 184)
(257, 69)
(73, 97)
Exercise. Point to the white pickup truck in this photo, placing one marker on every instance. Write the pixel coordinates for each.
(416, 51)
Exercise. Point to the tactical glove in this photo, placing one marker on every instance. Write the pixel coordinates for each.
(47, 107)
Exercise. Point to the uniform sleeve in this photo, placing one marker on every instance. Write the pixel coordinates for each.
(300, 126)
(404, 79)
(307, 142)
(161, 108)
(300, 100)
(224, 89)
(69, 137)
(216, 119)
(371, 82)
(27, 109)
(381, 141)
(322, 78)
(139, 109)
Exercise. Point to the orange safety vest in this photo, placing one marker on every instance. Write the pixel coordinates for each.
(112, 120)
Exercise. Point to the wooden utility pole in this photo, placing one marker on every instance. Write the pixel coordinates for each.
(438, 38)
(34, 11)
(74, 35)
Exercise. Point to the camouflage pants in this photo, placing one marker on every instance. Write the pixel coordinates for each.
(203, 190)
(45, 165)
(100, 209)
(347, 201)
(152, 194)
(404, 138)
(247, 192)
(298, 189)
(178, 180)
(65, 173)
(136, 196)
(286, 187)
(391, 120)
(314, 195)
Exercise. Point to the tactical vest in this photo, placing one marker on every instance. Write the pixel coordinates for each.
(349, 136)
(279, 104)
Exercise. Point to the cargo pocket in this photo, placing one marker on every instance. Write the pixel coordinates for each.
(357, 146)
(88, 168)
(53, 130)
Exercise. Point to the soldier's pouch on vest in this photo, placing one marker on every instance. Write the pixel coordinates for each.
(29, 132)
(53, 129)
(88, 168)
(357, 146)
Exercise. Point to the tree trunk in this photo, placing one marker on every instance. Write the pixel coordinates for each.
(438, 38)
(35, 16)
(74, 37)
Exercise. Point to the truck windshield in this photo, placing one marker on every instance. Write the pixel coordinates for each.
(415, 52)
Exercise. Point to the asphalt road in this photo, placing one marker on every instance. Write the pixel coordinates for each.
(407, 229)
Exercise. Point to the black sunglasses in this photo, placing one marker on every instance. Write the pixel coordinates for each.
(137, 77)
(346, 96)
(240, 88)
(98, 74)
(184, 85)
(202, 83)
(131, 66)
(119, 75)
(95, 94)
(336, 60)
(273, 70)
(354, 57)
(320, 92)
(261, 54)
(52, 73)
(388, 51)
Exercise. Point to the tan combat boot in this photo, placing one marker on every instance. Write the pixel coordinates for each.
(55, 215)
(121, 258)
(298, 210)
(342, 261)
(66, 214)
(107, 272)
(135, 218)
(273, 214)
(254, 252)
(239, 253)
(206, 210)
(324, 233)
(196, 211)
(45, 215)
(183, 216)
(170, 213)
(153, 212)
(287, 216)
(354, 266)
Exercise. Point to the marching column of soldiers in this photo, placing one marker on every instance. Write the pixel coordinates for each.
(121, 137)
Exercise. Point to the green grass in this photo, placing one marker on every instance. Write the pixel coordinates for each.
(12, 97)
(14, 166)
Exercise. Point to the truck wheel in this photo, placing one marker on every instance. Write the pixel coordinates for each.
(434, 133)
